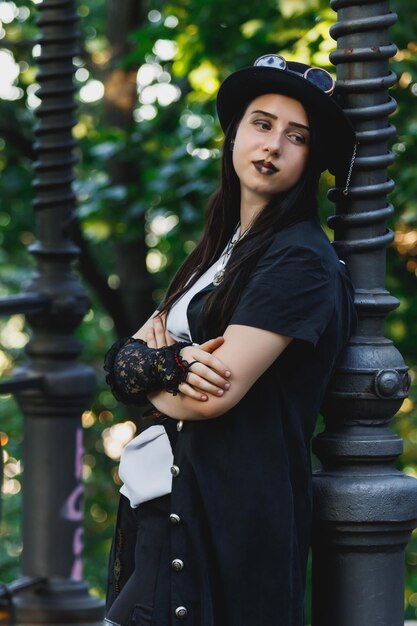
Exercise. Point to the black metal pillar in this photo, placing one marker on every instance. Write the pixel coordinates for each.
(53, 490)
(364, 509)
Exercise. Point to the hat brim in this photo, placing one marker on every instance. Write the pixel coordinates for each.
(336, 134)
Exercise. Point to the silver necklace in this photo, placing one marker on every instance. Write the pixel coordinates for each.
(221, 267)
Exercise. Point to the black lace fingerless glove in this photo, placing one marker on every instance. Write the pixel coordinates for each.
(134, 370)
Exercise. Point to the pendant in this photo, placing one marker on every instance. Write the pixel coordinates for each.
(218, 277)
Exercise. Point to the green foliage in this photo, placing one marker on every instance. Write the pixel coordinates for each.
(166, 155)
(10, 545)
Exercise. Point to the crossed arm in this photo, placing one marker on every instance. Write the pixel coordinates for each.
(210, 391)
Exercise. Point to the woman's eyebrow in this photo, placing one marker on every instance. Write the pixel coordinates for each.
(258, 111)
(298, 125)
(275, 117)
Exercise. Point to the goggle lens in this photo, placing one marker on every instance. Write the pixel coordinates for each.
(321, 79)
(315, 75)
(271, 60)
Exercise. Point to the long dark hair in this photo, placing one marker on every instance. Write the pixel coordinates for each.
(222, 216)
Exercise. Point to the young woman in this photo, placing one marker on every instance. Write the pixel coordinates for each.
(214, 520)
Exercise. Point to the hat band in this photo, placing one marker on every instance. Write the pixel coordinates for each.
(317, 76)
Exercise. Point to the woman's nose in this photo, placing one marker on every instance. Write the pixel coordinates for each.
(272, 144)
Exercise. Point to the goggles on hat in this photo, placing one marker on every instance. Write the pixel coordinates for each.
(317, 76)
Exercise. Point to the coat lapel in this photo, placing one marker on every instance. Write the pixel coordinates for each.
(198, 333)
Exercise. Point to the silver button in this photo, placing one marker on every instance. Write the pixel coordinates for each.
(175, 470)
(180, 424)
(181, 612)
(175, 519)
(177, 565)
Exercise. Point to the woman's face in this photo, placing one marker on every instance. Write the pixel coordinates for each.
(271, 147)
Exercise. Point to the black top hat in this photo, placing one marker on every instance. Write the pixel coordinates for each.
(313, 87)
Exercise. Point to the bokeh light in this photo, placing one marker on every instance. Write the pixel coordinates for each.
(92, 91)
(116, 437)
(9, 73)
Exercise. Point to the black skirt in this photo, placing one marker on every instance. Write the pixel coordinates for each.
(133, 574)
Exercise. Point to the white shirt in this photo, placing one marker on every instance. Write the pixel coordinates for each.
(177, 321)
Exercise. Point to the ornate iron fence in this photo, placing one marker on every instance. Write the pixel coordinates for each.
(53, 387)
(365, 509)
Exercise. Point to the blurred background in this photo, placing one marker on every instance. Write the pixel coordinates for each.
(148, 149)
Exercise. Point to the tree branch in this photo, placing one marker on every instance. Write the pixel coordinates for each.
(13, 134)
(110, 298)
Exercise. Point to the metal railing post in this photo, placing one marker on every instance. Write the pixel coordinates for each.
(364, 509)
(52, 408)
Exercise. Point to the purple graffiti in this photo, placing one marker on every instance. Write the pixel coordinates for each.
(79, 452)
(72, 509)
(77, 549)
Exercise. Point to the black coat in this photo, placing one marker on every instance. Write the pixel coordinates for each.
(243, 493)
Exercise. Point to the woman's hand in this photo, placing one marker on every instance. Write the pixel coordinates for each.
(207, 373)
(156, 334)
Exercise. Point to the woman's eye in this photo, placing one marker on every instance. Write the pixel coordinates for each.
(262, 124)
(297, 137)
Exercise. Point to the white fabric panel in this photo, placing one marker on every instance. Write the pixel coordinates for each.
(145, 466)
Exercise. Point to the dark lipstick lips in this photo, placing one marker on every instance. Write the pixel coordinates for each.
(265, 164)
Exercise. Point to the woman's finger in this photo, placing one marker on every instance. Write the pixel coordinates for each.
(202, 372)
(150, 337)
(159, 331)
(212, 344)
(169, 340)
(189, 391)
(203, 385)
(208, 359)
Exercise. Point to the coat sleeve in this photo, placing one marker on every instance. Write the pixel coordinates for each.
(290, 292)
